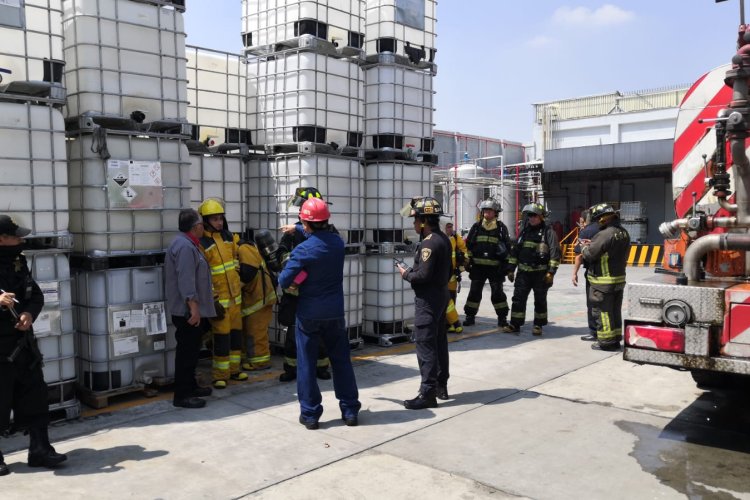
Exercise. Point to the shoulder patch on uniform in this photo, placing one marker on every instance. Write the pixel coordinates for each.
(426, 252)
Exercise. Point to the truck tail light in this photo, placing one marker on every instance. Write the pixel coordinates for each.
(655, 337)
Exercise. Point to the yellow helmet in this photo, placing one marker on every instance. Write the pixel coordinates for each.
(211, 206)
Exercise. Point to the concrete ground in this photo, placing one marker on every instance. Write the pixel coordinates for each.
(531, 417)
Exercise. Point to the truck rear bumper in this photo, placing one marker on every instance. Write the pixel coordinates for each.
(675, 360)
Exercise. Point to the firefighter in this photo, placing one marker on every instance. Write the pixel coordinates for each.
(537, 255)
(294, 234)
(607, 256)
(220, 248)
(488, 245)
(588, 230)
(22, 387)
(458, 259)
(258, 298)
(429, 280)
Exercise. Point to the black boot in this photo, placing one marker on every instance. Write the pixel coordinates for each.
(41, 452)
(323, 373)
(469, 320)
(4, 470)
(421, 402)
(290, 373)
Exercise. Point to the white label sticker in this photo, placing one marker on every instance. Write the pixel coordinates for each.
(125, 345)
(42, 323)
(50, 290)
(155, 320)
(121, 321)
(160, 345)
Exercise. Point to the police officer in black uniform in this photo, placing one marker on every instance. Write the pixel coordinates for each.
(429, 280)
(22, 386)
(288, 300)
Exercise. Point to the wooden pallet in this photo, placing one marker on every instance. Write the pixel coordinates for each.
(101, 399)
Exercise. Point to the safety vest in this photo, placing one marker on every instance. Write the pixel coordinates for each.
(220, 250)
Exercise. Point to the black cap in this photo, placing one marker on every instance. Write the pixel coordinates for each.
(8, 226)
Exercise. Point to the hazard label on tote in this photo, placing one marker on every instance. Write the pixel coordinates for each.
(129, 194)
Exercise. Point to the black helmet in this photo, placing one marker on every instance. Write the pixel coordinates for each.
(302, 194)
(535, 208)
(422, 206)
(600, 210)
(491, 204)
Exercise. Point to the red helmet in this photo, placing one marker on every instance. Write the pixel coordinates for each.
(314, 210)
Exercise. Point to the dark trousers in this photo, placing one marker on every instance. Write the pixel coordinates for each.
(497, 295)
(310, 335)
(606, 306)
(589, 309)
(186, 356)
(431, 338)
(290, 352)
(525, 283)
(23, 390)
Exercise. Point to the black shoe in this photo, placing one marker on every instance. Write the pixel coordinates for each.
(420, 403)
(501, 322)
(287, 376)
(310, 425)
(598, 346)
(351, 421)
(4, 470)
(589, 337)
(201, 392)
(49, 459)
(469, 320)
(442, 393)
(323, 374)
(190, 403)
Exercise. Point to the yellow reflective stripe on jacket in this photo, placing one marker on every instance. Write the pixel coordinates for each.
(554, 263)
(531, 244)
(269, 299)
(486, 262)
(223, 268)
(527, 268)
(487, 239)
(513, 260)
(605, 280)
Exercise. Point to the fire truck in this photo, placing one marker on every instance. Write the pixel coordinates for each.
(695, 313)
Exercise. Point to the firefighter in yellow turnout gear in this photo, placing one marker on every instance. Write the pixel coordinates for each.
(220, 247)
(458, 258)
(258, 298)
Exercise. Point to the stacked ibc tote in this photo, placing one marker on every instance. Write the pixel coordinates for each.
(34, 177)
(306, 111)
(129, 176)
(399, 70)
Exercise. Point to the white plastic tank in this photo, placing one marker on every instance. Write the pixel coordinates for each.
(130, 202)
(304, 96)
(266, 22)
(388, 299)
(354, 285)
(32, 40)
(411, 22)
(388, 187)
(398, 100)
(261, 201)
(122, 57)
(33, 167)
(219, 176)
(507, 198)
(463, 201)
(216, 89)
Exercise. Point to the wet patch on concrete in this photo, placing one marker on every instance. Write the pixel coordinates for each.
(702, 453)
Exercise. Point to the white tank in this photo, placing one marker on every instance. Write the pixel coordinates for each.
(261, 199)
(390, 186)
(219, 176)
(122, 57)
(463, 201)
(297, 89)
(398, 100)
(130, 202)
(31, 35)
(266, 22)
(408, 21)
(34, 170)
(507, 198)
(388, 299)
(354, 284)
(216, 90)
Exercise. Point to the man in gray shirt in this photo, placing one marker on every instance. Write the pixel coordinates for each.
(190, 302)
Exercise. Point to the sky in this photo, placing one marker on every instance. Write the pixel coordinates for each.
(498, 57)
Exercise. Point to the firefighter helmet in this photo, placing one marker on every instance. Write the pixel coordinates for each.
(422, 206)
(302, 194)
(314, 210)
(535, 208)
(211, 206)
(600, 210)
(491, 204)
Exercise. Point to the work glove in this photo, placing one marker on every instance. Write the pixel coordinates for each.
(549, 278)
(511, 276)
(219, 309)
